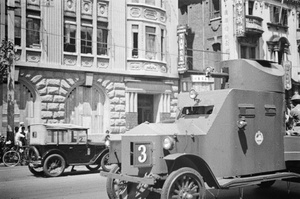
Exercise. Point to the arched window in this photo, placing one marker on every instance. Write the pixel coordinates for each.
(24, 105)
(85, 107)
(279, 48)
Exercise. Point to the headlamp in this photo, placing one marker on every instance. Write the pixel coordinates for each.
(168, 143)
(193, 94)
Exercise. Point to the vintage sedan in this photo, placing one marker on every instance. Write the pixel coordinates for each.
(54, 147)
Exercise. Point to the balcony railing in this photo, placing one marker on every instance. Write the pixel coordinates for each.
(254, 24)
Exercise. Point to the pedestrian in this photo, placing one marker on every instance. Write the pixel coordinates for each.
(16, 130)
(22, 125)
(23, 139)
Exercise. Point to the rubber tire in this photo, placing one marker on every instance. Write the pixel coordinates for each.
(266, 184)
(7, 156)
(110, 184)
(93, 167)
(185, 173)
(104, 162)
(52, 158)
(32, 154)
(36, 172)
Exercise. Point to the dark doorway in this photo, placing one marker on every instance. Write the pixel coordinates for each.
(145, 108)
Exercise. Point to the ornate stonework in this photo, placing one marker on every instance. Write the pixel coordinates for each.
(87, 61)
(148, 66)
(150, 14)
(70, 6)
(35, 3)
(70, 60)
(87, 7)
(163, 69)
(33, 56)
(135, 66)
(163, 17)
(135, 12)
(102, 10)
(151, 67)
(101, 63)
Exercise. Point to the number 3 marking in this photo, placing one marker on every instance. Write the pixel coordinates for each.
(143, 157)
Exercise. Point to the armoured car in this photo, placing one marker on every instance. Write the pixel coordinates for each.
(54, 147)
(225, 138)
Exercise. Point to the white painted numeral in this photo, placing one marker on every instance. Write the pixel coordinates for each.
(143, 157)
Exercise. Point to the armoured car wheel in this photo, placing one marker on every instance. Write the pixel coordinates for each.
(104, 162)
(37, 171)
(116, 188)
(93, 167)
(185, 183)
(54, 165)
(11, 158)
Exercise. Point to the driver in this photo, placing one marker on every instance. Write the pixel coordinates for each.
(295, 111)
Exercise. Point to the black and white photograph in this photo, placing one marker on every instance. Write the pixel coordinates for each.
(150, 99)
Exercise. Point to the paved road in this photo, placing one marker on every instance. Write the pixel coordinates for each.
(19, 183)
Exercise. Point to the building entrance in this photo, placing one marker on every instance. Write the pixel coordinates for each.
(145, 108)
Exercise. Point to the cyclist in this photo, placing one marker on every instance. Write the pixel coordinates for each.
(18, 138)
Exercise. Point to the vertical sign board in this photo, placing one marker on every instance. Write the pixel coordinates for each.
(226, 30)
(182, 67)
(287, 66)
(240, 18)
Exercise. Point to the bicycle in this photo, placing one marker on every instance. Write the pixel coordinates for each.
(16, 155)
(5, 146)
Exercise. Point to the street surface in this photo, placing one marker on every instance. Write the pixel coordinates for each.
(19, 183)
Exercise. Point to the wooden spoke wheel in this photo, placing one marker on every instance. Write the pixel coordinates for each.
(54, 165)
(184, 183)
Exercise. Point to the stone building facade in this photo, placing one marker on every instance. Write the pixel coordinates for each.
(106, 65)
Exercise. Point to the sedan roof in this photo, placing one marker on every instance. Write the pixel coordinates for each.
(62, 126)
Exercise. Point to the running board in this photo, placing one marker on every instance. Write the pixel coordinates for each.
(247, 181)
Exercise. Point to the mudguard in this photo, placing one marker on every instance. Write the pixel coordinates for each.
(190, 160)
(100, 155)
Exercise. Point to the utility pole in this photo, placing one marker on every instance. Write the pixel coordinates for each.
(7, 57)
(7, 66)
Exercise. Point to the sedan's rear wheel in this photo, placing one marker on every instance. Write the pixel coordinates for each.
(32, 154)
(93, 167)
(37, 171)
(54, 165)
(104, 162)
